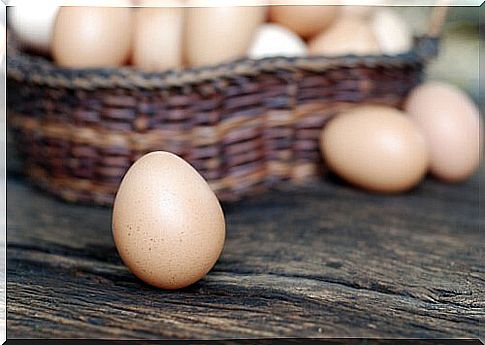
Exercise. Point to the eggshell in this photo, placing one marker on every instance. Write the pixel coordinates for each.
(158, 38)
(375, 147)
(393, 34)
(305, 20)
(348, 35)
(275, 40)
(33, 24)
(92, 36)
(219, 34)
(451, 123)
(168, 226)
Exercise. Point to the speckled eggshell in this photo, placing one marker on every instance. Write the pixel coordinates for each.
(451, 123)
(377, 148)
(168, 225)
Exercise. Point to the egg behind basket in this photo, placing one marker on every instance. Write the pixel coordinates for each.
(219, 34)
(276, 40)
(157, 44)
(33, 24)
(86, 37)
(347, 35)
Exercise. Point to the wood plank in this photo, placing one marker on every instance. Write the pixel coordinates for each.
(322, 260)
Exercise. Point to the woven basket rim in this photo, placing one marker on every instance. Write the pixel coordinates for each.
(38, 70)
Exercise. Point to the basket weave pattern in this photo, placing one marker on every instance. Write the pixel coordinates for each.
(245, 126)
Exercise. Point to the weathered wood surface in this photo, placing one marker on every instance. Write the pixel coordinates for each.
(320, 261)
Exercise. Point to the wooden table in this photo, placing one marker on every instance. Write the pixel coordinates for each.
(324, 260)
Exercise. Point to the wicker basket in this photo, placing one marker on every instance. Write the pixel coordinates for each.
(245, 126)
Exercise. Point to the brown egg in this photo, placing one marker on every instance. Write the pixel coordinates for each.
(157, 43)
(451, 123)
(348, 35)
(219, 34)
(92, 36)
(305, 20)
(375, 147)
(168, 225)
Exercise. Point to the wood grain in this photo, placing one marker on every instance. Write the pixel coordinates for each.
(318, 261)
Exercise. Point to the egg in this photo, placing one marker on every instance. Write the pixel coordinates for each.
(275, 40)
(376, 148)
(348, 35)
(86, 37)
(33, 24)
(392, 33)
(305, 20)
(451, 123)
(219, 34)
(168, 225)
(157, 43)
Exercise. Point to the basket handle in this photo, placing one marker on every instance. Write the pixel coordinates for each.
(437, 20)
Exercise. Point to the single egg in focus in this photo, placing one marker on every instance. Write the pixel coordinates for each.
(168, 225)
(451, 123)
(375, 147)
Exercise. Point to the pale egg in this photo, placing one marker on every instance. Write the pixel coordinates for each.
(168, 225)
(157, 42)
(33, 24)
(87, 37)
(276, 40)
(375, 147)
(451, 123)
(219, 34)
(393, 34)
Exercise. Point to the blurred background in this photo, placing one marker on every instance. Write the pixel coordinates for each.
(458, 61)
